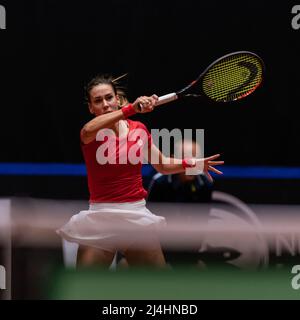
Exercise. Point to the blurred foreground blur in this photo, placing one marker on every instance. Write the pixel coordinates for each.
(221, 250)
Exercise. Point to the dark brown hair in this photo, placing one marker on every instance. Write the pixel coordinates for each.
(99, 79)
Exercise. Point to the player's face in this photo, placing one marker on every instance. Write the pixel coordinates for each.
(103, 99)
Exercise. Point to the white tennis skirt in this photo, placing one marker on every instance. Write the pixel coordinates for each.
(111, 226)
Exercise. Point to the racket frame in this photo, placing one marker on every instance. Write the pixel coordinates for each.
(181, 93)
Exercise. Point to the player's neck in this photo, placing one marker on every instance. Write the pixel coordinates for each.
(121, 128)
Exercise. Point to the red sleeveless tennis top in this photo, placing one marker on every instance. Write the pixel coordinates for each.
(114, 165)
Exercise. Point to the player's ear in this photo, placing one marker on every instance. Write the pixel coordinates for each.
(119, 101)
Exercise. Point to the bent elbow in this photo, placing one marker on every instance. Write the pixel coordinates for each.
(85, 134)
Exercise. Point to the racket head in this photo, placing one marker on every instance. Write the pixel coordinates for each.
(231, 77)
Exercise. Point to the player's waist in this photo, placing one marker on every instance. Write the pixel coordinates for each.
(116, 205)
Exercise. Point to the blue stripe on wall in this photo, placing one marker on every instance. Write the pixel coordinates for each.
(230, 172)
(40, 169)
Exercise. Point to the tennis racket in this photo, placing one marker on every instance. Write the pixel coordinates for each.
(229, 78)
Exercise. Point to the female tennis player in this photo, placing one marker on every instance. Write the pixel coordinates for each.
(113, 147)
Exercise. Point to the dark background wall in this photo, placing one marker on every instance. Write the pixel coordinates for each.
(50, 49)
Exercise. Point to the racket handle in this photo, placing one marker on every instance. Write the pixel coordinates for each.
(163, 99)
(166, 98)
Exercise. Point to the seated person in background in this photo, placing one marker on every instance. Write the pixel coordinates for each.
(185, 189)
(181, 187)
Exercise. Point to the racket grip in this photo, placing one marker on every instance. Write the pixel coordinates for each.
(163, 99)
(166, 98)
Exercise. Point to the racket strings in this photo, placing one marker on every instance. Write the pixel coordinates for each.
(233, 77)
